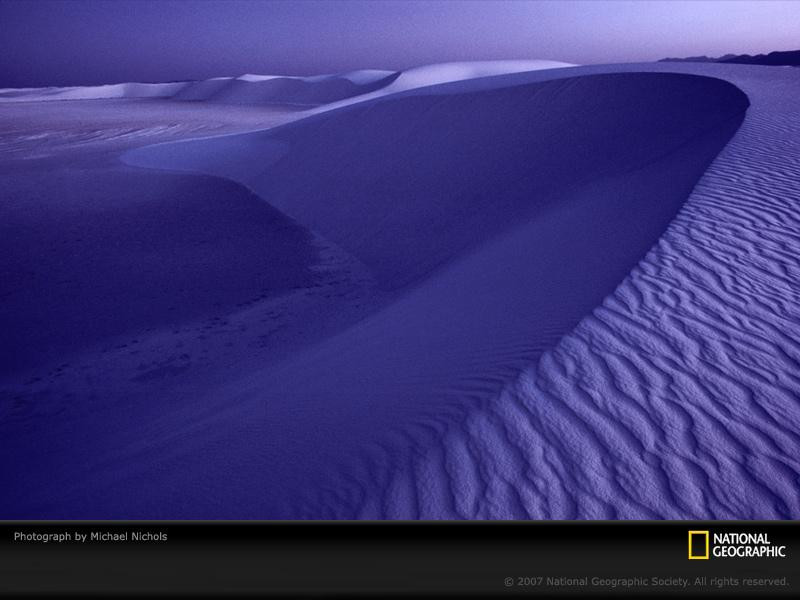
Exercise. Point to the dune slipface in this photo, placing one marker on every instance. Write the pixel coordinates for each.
(493, 219)
(408, 184)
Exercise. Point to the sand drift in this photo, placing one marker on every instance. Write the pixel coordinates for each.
(480, 223)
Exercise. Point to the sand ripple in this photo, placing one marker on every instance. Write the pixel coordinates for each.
(679, 397)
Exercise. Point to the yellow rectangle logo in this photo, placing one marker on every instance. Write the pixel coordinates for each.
(695, 555)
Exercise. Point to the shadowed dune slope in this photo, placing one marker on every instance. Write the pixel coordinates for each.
(153, 250)
(408, 184)
(679, 396)
(499, 219)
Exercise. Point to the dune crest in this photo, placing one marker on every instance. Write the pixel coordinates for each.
(677, 398)
(497, 219)
(314, 90)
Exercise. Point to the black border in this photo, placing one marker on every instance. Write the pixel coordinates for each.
(388, 558)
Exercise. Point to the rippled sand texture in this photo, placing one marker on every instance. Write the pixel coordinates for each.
(679, 397)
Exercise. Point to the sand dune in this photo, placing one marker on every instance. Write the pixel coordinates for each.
(246, 89)
(382, 181)
(538, 295)
(678, 396)
(309, 91)
(33, 132)
(116, 90)
(461, 71)
(304, 91)
(441, 73)
(491, 220)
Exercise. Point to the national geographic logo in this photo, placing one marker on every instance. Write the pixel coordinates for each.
(703, 545)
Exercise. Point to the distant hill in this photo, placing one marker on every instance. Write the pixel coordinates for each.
(788, 58)
(791, 58)
(699, 59)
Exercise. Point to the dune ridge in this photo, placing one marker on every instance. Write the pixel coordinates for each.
(355, 407)
(677, 398)
(245, 89)
(264, 90)
(434, 196)
(514, 376)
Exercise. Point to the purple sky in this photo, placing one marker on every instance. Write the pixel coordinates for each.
(66, 42)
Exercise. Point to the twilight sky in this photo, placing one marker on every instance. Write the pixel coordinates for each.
(65, 42)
